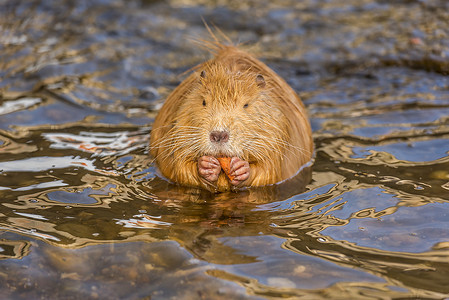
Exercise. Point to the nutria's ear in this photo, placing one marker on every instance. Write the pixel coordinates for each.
(203, 74)
(260, 81)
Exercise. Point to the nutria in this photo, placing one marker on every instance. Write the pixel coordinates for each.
(231, 106)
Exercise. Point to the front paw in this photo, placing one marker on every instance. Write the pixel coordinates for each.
(240, 170)
(209, 168)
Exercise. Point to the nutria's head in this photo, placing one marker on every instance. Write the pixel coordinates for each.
(229, 113)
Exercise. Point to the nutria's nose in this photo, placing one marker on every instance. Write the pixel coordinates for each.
(219, 136)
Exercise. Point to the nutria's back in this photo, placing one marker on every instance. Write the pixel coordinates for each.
(235, 106)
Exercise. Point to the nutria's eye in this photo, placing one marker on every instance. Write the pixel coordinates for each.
(245, 106)
(204, 102)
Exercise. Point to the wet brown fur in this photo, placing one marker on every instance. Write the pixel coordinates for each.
(272, 132)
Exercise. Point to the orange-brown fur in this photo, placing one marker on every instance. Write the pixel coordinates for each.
(272, 132)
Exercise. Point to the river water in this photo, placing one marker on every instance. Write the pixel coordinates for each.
(84, 214)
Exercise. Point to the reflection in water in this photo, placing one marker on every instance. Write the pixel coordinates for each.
(84, 213)
(14, 249)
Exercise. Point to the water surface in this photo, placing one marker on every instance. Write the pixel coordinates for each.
(85, 215)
